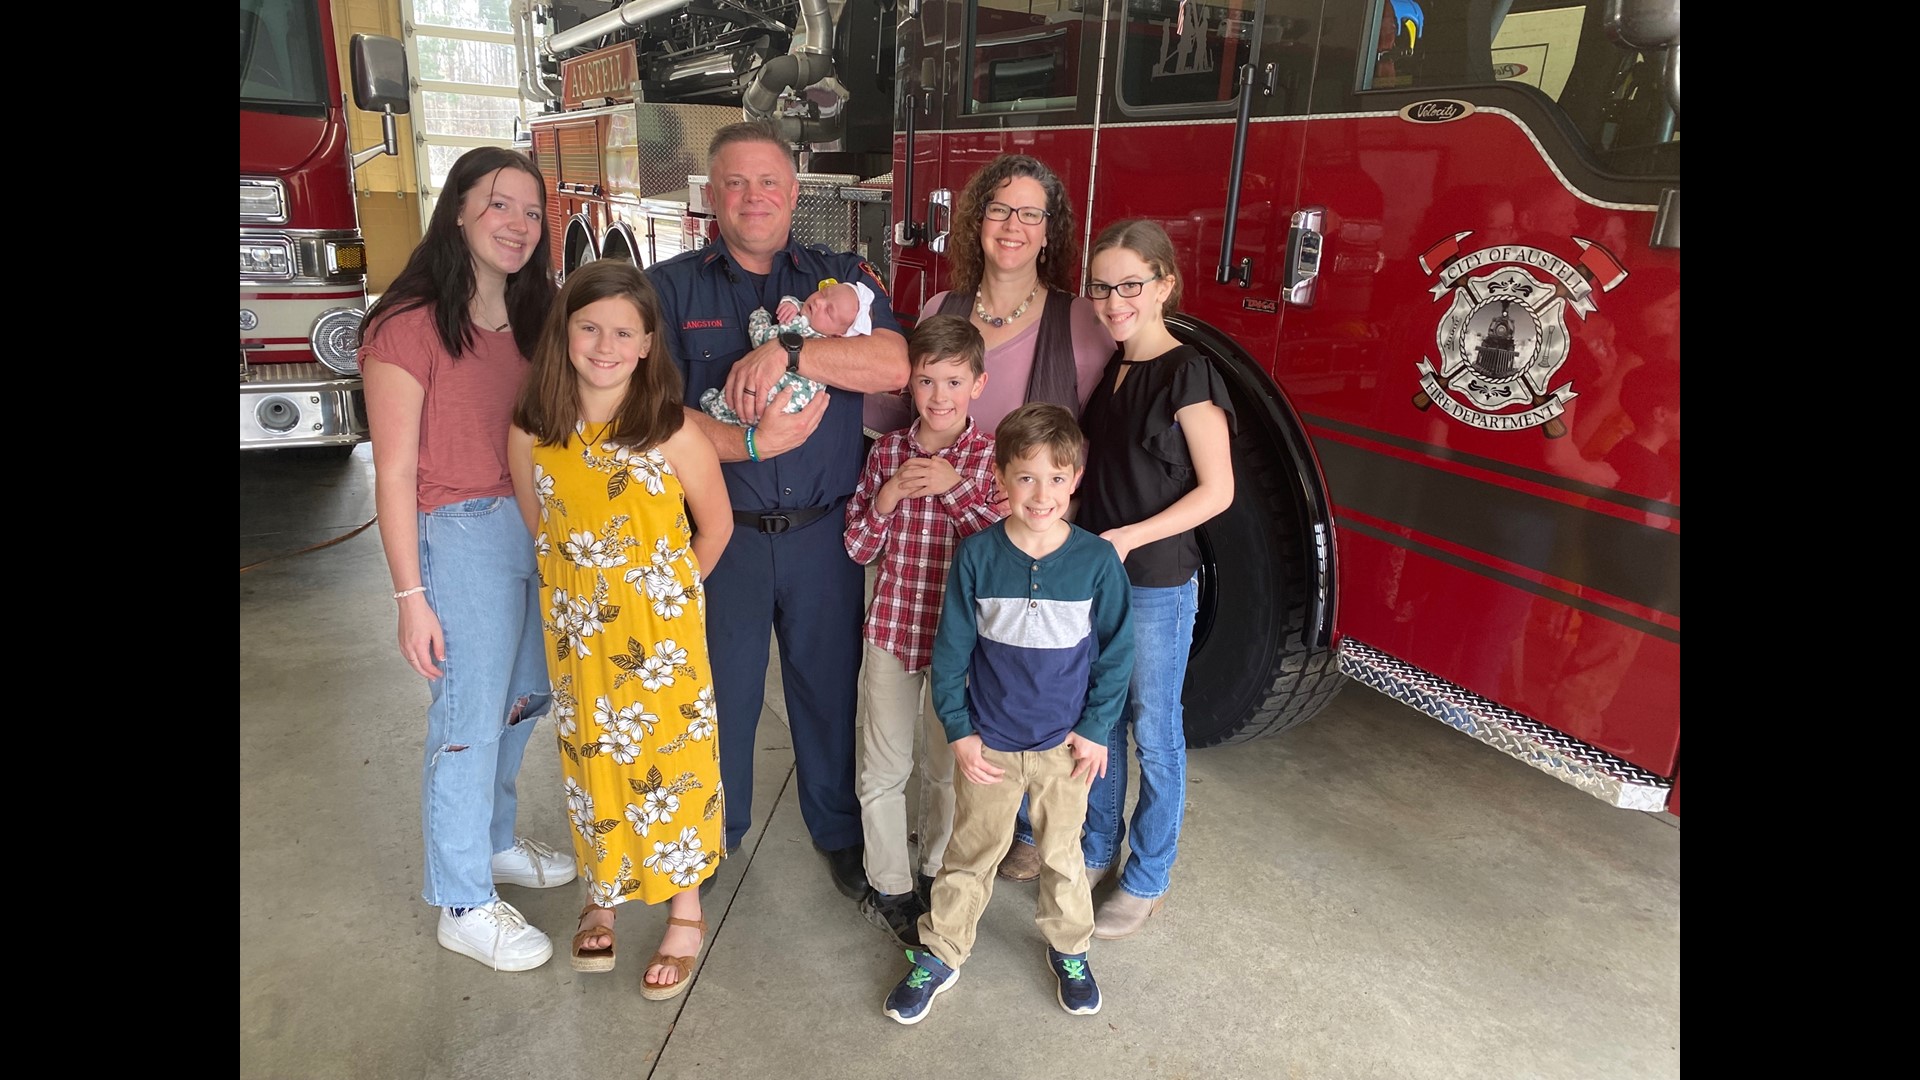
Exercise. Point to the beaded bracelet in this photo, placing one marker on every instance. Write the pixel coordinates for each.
(404, 593)
(752, 454)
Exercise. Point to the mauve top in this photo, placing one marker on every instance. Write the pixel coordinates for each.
(1008, 365)
(468, 408)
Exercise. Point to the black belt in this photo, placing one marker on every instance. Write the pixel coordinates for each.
(779, 521)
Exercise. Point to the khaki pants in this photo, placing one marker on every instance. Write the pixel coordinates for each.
(896, 704)
(982, 829)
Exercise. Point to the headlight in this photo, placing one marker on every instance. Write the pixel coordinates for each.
(336, 339)
(269, 260)
(263, 200)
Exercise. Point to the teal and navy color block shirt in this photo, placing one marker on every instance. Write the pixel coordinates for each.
(1029, 649)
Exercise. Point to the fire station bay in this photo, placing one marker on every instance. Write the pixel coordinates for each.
(1351, 330)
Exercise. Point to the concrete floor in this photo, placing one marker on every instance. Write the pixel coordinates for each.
(1372, 895)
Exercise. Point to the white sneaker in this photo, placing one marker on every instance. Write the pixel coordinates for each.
(532, 864)
(497, 935)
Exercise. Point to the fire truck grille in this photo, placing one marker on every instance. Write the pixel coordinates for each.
(276, 373)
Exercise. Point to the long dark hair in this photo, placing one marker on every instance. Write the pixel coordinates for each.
(1059, 264)
(439, 273)
(549, 405)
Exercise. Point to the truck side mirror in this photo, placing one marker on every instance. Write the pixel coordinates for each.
(1647, 25)
(380, 85)
(1651, 26)
(379, 73)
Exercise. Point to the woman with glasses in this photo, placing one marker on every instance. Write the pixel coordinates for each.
(1158, 465)
(1013, 265)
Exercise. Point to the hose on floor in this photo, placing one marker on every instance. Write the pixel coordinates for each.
(314, 547)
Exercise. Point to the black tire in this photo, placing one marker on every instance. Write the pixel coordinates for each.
(577, 248)
(1260, 662)
(615, 246)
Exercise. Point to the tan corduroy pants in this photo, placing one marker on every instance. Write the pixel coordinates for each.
(983, 827)
(897, 708)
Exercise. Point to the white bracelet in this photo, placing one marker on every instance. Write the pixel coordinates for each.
(404, 593)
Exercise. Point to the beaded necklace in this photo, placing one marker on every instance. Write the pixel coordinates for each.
(996, 321)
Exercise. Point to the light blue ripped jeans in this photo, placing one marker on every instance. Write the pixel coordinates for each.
(477, 563)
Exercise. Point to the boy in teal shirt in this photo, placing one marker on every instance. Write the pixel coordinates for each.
(1030, 671)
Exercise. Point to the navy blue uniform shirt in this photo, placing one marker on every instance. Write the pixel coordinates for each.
(707, 299)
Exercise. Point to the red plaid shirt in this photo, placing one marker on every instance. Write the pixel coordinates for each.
(918, 537)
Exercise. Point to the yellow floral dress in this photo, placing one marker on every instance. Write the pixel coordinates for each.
(626, 630)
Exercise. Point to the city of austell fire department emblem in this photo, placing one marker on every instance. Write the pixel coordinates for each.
(1504, 336)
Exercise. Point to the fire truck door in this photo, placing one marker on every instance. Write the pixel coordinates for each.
(1007, 76)
(1493, 179)
(1447, 140)
(1171, 128)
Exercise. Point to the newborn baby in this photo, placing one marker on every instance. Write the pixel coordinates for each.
(837, 309)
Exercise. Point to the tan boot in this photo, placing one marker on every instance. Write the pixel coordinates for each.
(1021, 863)
(1123, 914)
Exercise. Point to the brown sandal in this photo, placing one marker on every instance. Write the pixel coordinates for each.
(682, 964)
(585, 959)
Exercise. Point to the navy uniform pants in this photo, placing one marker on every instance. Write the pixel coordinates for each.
(800, 585)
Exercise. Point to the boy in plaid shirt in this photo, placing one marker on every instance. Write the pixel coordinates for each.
(924, 488)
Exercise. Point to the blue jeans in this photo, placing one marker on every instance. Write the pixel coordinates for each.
(477, 563)
(1163, 635)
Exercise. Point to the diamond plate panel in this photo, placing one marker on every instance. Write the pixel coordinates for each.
(1592, 770)
(823, 217)
(669, 142)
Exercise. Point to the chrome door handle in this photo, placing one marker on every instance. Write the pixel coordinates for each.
(1303, 254)
(943, 199)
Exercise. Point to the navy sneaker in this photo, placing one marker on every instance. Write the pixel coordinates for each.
(898, 915)
(910, 1000)
(1078, 994)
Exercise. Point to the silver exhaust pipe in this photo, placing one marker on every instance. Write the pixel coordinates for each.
(810, 63)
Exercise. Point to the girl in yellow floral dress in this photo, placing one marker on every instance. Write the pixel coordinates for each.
(628, 508)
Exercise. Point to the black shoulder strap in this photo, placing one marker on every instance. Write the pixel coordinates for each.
(1055, 377)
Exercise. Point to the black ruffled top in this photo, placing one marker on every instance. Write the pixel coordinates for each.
(1137, 459)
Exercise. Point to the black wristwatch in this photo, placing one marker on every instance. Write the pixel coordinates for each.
(792, 340)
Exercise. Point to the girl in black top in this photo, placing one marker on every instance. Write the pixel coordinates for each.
(1158, 465)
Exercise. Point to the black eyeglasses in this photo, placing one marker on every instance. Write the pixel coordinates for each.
(1028, 215)
(1096, 291)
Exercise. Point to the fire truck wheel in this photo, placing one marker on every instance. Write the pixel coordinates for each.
(1256, 668)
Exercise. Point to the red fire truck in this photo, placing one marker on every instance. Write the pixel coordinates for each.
(1433, 245)
(303, 264)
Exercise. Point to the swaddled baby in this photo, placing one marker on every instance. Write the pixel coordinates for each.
(837, 309)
